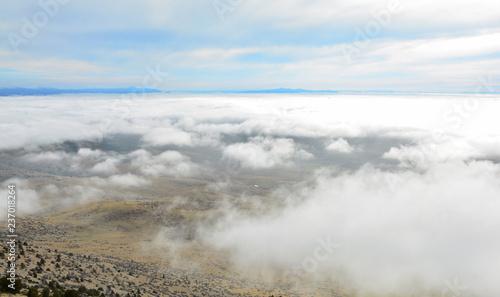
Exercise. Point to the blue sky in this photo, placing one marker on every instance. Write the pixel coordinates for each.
(401, 45)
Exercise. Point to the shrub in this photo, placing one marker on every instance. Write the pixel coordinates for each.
(33, 292)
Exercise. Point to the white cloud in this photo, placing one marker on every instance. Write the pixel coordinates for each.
(164, 119)
(89, 153)
(262, 152)
(129, 180)
(431, 227)
(45, 157)
(429, 151)
(167, 136)
(168, 163)
(340, 146)
(108, 166)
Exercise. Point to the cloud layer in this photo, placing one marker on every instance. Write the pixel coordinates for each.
(404, 234)
(348, 45)
(399, 192)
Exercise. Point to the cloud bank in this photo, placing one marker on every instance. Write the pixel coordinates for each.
(405, 235)
(399, 192)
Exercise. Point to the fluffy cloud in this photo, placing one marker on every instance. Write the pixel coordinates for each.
(168, 163)
(340, 146)
(383, 232)
(167, 136)
(84, 162)
(262, 152)
(429, 151)
(129, 180)
(106, 167)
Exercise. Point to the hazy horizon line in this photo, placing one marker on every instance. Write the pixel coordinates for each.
(43, 91)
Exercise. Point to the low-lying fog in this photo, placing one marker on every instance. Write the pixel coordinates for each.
(395, 193)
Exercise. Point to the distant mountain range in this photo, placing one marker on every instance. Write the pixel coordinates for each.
(270, 91)
(129, 90)
(53, 91)
(285, 90)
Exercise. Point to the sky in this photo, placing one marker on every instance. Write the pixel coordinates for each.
(399, 45)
